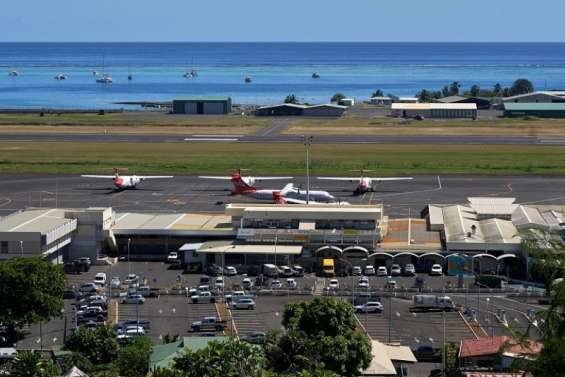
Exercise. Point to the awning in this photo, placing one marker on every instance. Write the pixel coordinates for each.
(211, 248)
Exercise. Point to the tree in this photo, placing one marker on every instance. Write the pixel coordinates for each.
(76, 360)
(497, 90)
(445, 91)
(98, 345)
(168, 338)
(378, 93)
(32, 364)
(475, 91)
(321, 334)
(521, 86)
(337, 97)
(425, 95)
(454, 88)
(133, 359)
(291, 98)
(31, 291)
(227, 359)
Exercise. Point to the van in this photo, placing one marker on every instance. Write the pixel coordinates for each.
(270, 270)
(286, 271)
(328, 267)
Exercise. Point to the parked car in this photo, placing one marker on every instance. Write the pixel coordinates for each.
(276, 284)
(363, 283)
(148, 291)
(436, 270)
(219, 283)
(333, 284)
(369, 307)
(236, 295)
(173, 256)
(243, 303)
(382, 271)
(133, 299)
(369, 270)
(409, 270)
(298, 271)
(291, 283)
(88, 287)
(203, 297)
(208, 324)
(132, 329)
(255, 337)
(230, 271)
(427, 354)
(131, 279)
(214, 270)
(286, 271)
(356, 270)
(70, 292)
(395, 270)
(390, 283)
(247, 283)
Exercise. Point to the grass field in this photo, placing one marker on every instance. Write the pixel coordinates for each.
(187, 159)
(354, 125)
(139, 122)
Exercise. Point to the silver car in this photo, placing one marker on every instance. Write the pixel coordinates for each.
(243, 303)
(133, 299)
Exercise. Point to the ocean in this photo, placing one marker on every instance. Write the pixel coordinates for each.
(277, 69)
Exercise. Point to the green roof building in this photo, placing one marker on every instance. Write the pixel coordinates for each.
(539, 109)
(164, 354)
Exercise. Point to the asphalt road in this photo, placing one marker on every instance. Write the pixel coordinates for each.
(267, 137)
(191, 194)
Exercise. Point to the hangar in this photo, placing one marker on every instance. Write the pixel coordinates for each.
(482, 103)
(435, 110)
(548, 96)
(202, 105)
(291, 109)
(541, 110)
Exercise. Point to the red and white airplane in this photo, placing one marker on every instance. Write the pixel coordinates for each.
(245, 186)
(365, 184)
(279, 198)
(123, 182)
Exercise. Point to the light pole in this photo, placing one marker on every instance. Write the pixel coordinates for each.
(307, 143)
(443, 344)
(22, 248)
(129, 261)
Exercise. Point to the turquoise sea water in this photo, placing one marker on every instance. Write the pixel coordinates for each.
(277, 69)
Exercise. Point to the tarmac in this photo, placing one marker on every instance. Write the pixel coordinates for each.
(273, 137)
(183, 194)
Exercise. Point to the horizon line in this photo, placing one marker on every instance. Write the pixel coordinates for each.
(281, 41)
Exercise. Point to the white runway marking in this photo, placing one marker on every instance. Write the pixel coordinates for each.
(552, 141)
(216, 136)
(210, 139)
(438, 188)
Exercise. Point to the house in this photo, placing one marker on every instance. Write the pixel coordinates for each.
(163, 355)
(389, 360)
(386, 101)
(494, 352)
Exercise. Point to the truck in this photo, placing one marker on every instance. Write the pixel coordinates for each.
(147, 291)
(203, 297)
(208, 324)
(431, 302)
(328, 267)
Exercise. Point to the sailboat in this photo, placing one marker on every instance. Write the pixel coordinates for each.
(106, 78)
(13, 74)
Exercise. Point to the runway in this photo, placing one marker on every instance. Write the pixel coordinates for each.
(191, 194)
(276, 138)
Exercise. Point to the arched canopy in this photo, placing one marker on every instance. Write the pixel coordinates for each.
(431, 254)
(484, 255)
(406, 253)
(457, 255)
(379, 254)
(356, 249)
(329, 250)
(504, 256)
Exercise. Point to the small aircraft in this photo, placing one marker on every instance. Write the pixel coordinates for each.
(123, 182)
(365, 184)
(245, 186)
(279, 198)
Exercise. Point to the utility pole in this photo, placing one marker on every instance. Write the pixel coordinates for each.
(129, 261)
(307, 143)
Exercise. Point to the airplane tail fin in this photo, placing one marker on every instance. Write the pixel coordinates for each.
(239, 185)
(287, 188)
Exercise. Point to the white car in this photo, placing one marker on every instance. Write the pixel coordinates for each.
(409, 270)
(436, 270)
(369, 307)
(369, 271)
(276, 284)
(115, 283)
(247, 283)
(334, 284)
(356, 270)
(243, 303)
(133, 329)
(382, 271)
(230, 271)
(219, 283)
(100, 279)
(133, 299)
(363, 283)
(395, 270)
(291, 283)
(173, 256)
(131, 279)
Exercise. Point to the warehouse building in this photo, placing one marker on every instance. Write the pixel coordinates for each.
(482, 103)
(290, 109)
(202, 105)
(540, 110)
(435, 110)
(381, 101)
(549, 96)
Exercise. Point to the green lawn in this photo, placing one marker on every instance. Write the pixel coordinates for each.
(220, 158)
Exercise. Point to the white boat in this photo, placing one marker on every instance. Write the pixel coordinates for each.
(187, 75)
(105, 79)
(13, 74)
(61, 76)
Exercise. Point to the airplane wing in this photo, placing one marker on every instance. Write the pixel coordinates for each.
(390, 178)
(154, 176)
(214, 177)
(339, 179)
(99, 176)
(270, 178)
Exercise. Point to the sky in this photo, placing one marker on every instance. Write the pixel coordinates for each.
(290, 20)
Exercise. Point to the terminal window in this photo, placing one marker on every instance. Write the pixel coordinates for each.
(4, 247)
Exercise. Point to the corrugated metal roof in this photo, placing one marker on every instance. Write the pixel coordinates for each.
(283, 105)
(534, 106)
(434, 106)
(451, 99)
(175, 221)
(203, 98)
(527, 217)
(231, 248)
(34, 220)
(552, 93)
